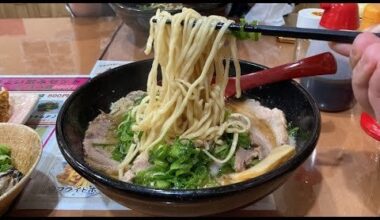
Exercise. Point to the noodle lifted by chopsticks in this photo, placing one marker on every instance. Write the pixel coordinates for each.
(190, 102)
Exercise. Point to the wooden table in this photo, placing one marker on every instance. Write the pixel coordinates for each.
(341, 178)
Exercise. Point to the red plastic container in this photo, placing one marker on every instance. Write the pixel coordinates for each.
(340, 16)
(370, 126)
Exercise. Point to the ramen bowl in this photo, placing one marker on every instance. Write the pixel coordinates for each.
(85, 104)
(26, 150)
(138, 18)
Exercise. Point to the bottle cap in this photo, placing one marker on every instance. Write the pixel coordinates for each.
(370, 126)
(340, 16)
(371, 16)
(372, 12)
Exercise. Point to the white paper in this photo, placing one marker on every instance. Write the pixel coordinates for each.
(104, 65)
(269, 14)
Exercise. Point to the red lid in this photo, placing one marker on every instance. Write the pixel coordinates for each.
(370, 126)
(340, 16)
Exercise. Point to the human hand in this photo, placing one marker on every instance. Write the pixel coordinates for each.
(364, 55)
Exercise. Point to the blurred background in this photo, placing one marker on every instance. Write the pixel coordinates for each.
(46, 10)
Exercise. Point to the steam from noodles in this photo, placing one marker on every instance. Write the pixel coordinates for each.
(189, 101)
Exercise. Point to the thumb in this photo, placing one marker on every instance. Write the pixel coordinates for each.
(343, 49)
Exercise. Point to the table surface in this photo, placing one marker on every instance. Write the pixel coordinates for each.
(341, 177)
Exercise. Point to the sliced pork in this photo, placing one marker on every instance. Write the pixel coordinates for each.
(244, 157)
(122, 105)
(140, 163)
(100, 137)
(100, 133)
(268, 126)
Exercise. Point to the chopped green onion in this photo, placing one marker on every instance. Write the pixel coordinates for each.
(179, 165)
(5, 158)
(243, 35)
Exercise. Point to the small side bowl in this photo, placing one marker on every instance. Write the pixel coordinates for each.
(26, 150)
(138, 19)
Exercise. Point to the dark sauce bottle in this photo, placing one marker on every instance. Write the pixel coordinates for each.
(333, 93)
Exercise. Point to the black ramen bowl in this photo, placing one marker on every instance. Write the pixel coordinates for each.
(138, 19)
(85, 104)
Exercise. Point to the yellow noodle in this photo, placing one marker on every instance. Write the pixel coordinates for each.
(190, 101)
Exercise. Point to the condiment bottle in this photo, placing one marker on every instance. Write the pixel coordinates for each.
(306, 18)
(333, 93)
(370, 17)
(370, 126)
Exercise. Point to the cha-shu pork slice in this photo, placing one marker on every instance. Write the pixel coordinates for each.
(268, 126)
